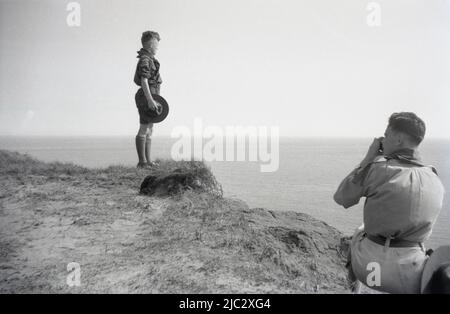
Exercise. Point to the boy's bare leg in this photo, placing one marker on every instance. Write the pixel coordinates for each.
(148, 144)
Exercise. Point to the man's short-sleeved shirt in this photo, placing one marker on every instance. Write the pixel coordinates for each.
(403, 200)
(147, 67)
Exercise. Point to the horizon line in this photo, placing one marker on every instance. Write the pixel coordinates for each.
(169, 136)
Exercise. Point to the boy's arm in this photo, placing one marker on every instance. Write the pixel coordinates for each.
(148, 95)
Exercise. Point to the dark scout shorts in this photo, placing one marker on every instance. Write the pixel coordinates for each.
(145, 114)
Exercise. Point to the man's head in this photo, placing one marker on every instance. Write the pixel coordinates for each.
(405, 130)
(150, 41)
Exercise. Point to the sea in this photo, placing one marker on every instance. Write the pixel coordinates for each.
(309, 172)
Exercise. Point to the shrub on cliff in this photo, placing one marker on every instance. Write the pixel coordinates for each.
(188, 175)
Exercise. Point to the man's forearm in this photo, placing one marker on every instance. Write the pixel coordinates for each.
(366, 161)
(352, 187)
(349, 192)
(373, 152)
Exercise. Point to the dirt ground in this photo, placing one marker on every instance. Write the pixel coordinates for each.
(52, 214)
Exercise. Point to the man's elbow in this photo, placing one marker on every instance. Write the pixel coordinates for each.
(341, 200)
(338, 198)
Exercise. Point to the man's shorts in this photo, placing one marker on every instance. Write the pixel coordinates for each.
(400, 269)
(145, 114)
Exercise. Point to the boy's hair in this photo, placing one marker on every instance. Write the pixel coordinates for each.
(408, 123)
(149, 35)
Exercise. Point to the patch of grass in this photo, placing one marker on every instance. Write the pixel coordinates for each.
(17, 163)
(21, 165)
(193, 241)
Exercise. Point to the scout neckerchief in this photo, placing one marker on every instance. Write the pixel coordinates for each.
(405, 155)
(409, 156)
(144, 52)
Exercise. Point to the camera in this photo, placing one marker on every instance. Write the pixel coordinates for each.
(380, 149)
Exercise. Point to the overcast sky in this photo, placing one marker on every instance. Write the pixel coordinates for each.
(312, 68)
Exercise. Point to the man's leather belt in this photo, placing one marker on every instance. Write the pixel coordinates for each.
(393, 243)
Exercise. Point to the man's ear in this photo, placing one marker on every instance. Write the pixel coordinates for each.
(401, 139)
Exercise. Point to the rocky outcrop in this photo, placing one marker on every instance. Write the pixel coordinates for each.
(190, 175)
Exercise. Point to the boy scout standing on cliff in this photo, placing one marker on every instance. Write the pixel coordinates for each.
(148, 78)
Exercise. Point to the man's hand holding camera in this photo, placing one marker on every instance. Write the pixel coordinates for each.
(375, 150)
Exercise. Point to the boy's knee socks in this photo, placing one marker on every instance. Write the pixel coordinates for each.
(148, 145)
(140, 148)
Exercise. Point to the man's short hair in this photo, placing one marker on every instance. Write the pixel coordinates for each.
(149, 35)
(408, 123)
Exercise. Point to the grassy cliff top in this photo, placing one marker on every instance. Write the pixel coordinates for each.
(189, 242)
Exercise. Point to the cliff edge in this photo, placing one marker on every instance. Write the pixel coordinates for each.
(189, 240)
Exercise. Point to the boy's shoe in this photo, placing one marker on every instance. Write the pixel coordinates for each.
(151, 164)
(142, 165)
(147, 165)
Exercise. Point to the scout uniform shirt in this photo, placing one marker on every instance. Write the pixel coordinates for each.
(147, 67)
(403, 197)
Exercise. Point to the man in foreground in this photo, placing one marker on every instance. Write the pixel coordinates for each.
(403, 200)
